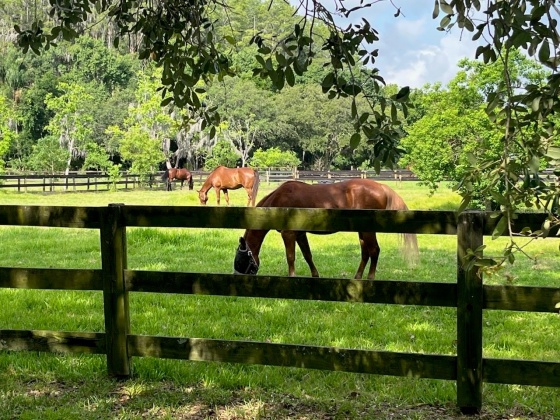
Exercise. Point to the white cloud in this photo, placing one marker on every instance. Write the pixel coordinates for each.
(421, 57)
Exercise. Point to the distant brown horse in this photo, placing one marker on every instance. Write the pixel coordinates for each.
(351, 194)
(224, 179)
(174, 174)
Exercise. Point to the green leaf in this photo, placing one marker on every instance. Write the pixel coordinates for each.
(290, 76)
(499, 198)
(464, 203)
(500, 227)
(260, 59)
(394, 113)
(280, 79)
(230, 39)
(281, 60)
(377, 166)
(328, 81)
(534, 164)
(553, 152)
(446, 8)
(544, 52)
(435, 12)
(166, 101)
(351, 89)
(403, 94)
(355, 140)
(485, 262)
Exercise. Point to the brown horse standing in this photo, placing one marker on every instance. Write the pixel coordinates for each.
(224, 179)
(351, 194)
(173, 174)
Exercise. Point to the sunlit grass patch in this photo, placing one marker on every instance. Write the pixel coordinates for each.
(166, 388)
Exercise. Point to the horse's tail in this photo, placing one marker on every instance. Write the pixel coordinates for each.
(255, 187)
(191, 182)
(165, 175)
(395, 202)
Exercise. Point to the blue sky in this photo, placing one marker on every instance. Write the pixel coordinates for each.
(412, 51)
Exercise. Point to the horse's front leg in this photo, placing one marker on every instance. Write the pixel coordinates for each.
(289, 238)
(303, 243)
(217, 195)
(249, 196)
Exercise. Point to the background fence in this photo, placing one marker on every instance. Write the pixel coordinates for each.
(469, 295)
(94, 181)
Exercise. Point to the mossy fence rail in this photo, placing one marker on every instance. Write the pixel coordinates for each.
(468, 367)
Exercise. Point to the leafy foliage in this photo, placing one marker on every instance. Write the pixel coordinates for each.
(223, 153)
(186, 44)
(48, 156)
(274, 158)
(7, 134)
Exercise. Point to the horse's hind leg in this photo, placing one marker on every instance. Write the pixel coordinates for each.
(226, 195)
(370, 250)
(301, 238)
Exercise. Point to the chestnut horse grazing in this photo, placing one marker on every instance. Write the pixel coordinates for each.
(174, 174)
(224, 179)
(351, 194)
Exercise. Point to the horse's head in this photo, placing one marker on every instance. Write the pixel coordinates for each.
(203, 197)
(244, 262)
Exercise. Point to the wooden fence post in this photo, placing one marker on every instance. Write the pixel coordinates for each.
(115, 296)
(469, 316)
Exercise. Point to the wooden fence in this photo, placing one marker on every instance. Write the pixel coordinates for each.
(99, 181)
(88, 181)
(95, 181)
(469, 295)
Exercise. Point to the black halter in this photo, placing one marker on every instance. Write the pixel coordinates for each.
(244, 262)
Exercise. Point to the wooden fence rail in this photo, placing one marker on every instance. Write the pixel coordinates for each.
(468, 367)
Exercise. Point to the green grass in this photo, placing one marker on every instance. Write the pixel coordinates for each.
(36, 385)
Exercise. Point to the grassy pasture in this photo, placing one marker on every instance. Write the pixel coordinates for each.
(53, 386)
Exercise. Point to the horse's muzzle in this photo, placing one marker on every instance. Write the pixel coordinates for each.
(244, 262)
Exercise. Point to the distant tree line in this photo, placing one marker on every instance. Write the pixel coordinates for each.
(91, 104)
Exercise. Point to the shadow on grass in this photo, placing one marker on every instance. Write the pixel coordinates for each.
(44, 394)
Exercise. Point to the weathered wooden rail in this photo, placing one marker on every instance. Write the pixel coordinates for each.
(468, 367)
